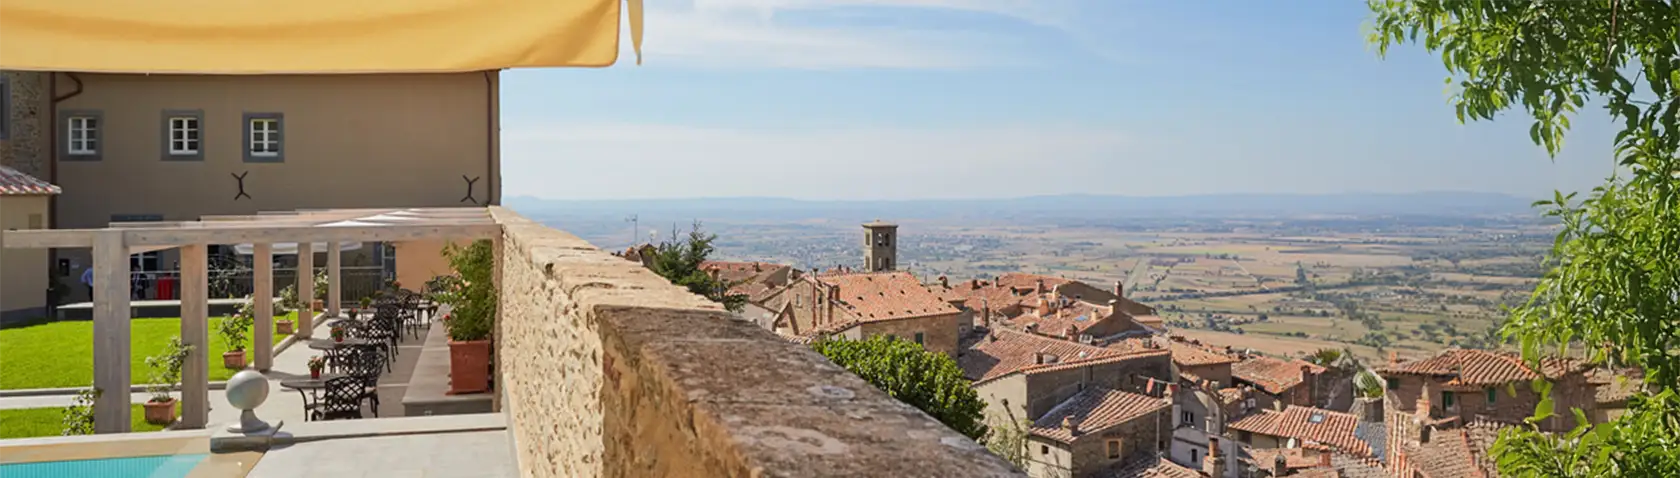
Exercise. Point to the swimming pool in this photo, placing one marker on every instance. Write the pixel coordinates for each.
(164, 466)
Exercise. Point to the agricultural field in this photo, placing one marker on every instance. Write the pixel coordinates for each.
(1279, 284)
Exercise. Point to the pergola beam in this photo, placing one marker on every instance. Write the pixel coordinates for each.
(174, 237)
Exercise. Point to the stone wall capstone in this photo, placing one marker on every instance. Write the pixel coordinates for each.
(606, 369)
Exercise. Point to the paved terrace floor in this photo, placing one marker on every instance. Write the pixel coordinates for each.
(283, 404)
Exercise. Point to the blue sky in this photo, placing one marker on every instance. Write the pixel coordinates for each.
(902, 99)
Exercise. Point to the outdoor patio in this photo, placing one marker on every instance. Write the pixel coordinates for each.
(295, 232)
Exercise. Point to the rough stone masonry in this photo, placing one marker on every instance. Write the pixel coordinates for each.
(609, 370)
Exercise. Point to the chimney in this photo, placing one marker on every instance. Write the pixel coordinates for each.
(1214, 463)
(1114, 307)
(1306, 377)
(1071, 332)
(1041, 286)
(756, 267)
(1393, 358)
(1119, 290)
(1280, 465)
(1324, 458)
(943, 282)
(1071, 425)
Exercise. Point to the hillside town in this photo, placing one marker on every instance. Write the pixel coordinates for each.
(1101, 387)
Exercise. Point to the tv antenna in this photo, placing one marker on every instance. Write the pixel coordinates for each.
(635, 228)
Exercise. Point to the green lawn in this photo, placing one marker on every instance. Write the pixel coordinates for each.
(49, 422)
(60, 354)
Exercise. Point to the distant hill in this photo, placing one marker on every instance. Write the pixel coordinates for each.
(1284, 205)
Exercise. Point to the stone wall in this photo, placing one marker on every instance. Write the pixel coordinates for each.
(608, 370)
(1568, 392)
(25, 147)
(939, 333)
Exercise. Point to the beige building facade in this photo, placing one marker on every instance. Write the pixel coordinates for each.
(24, 289)
(178, 147)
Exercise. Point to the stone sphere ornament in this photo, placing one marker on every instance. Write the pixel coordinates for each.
(246, 391)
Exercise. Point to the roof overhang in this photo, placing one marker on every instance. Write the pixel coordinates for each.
(311, 36)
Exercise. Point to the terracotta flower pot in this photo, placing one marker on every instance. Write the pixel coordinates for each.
(233, 359)
(283, 327)
(469, 366)
(160, 413)
(314, 374)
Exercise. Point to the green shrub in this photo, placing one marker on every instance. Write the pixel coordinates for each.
(470, 291)
(166, 368)
(929, 381)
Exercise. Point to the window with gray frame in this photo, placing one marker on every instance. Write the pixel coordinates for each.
(83, 140)
(5, 109)
(183, 135)
(265, 140)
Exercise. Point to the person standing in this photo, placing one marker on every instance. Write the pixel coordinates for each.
(87, 278)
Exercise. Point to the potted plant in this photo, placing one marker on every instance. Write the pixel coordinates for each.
(320, 301)
(289, 301)
(166, 372)
(233, 330)
(337, 333)
(316, 363)
(472, 298)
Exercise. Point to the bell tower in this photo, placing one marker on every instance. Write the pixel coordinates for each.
(880, 246)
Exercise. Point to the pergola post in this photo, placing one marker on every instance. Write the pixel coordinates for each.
(335, 284)
(306, 288)
(195, 333)
(111, 288)
(262, 296)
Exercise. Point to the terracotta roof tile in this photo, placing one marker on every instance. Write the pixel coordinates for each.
(15, 183)
(1092, 411)
(1006, 351)
(751, 279)
(1079, 315)
(878, 296)
(1294, 458)
(1358, 467)
(1187, 355)
(1150, 467)
(1230, 395)
(1482, 368)
(1449, 454)
(1307, 424)
(1272, 375)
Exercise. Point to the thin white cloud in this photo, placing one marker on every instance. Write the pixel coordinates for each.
(653, 160)
(758, 33)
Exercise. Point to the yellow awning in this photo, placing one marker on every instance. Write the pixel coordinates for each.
(310, 36)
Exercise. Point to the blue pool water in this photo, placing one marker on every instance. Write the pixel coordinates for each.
(167, 466)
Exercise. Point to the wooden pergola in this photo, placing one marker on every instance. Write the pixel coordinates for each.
(113, 245)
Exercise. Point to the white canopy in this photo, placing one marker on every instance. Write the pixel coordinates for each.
(291, 248)
(381, 219)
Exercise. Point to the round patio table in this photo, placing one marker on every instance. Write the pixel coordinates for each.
(330, 344)
(310, 389)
